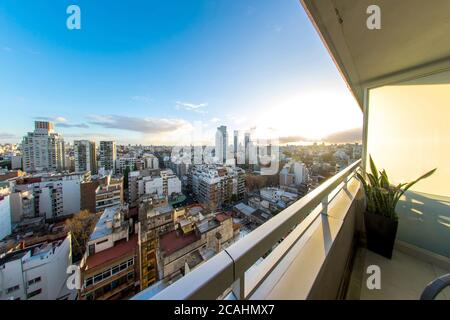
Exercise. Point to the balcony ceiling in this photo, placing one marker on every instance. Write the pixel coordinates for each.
(413, 39)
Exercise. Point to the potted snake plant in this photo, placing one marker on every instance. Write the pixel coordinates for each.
(380, 217)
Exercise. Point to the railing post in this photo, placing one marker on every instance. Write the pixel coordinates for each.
(345, 183)
(325, 205)
(239, 288)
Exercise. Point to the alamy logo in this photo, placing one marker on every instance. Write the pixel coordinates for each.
(74, 280)
(74, 20)
(374, 20)
(374, 279)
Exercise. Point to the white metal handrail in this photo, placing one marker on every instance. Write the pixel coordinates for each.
(227, 268)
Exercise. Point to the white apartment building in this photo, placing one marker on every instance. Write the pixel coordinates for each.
(37, 272)
(221, 144)
(171, 183)
(108, 155)
(275, 195)
(150, 161)
(43, 149)
(55, 196)
(294, 174)
(126, 162)
(16, 162)
(154, 185)
(109, 194)
(5, 213)
(85, 156)
(22, 205)
(109, 229)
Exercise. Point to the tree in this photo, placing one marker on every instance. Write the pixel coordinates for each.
(81, 225)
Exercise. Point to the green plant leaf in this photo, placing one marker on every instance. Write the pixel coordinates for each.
(373, 168)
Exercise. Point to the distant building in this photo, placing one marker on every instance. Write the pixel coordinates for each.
(254, 215)
(215, 185)
(22, 206)
(126, 163)
(55, 195)
(109, 266)
(109, 193)
(5, 214)
(171, 183)
(247, 143)
(16, 162)
(235, 143)
(85, 156)
(37, 272)
(43, 149)
(150, 162)
(108, 155)
(278, 196)
(221, 144)
(294, 174)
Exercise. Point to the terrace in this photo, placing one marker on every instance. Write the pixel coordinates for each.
(315, 249)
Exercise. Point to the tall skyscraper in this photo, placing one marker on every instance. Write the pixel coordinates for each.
(247, 147)
(235, 143)
(85, 156)
(108, 155)
(43, 149)
(221, 144)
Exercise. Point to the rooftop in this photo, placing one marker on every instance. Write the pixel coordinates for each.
(175, 240)
(102, 229)
(245, 209)
(122, 248)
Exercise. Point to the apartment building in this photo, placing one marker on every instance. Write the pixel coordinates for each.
(221, 144)
(109, 266)
(127, 163)
(109, 194)
(171, 183)
(37, 272)
(192, 243)
(156, 217)
(108, 155)
(43, 149)
(294, 174)
(5, 213)
(85, 156)
(55, 195)
(22, 206)
(215, 185)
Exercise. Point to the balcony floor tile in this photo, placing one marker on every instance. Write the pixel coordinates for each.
(402, 278)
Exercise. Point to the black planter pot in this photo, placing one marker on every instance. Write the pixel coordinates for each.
(380, 233)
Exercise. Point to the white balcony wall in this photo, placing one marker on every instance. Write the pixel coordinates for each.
(408, 135)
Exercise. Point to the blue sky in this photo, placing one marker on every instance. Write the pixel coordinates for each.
(164, 72)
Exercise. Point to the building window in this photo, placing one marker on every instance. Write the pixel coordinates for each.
(130, 262)
(34, 281)
(115, 270)
(89, 282)
(12, 289)
(103, 241)
(34, 293)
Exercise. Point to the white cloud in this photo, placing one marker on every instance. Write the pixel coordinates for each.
(191, 106)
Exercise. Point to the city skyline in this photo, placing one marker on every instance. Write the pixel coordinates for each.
(100, 83)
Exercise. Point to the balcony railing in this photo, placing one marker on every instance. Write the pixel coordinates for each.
(227, 270)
